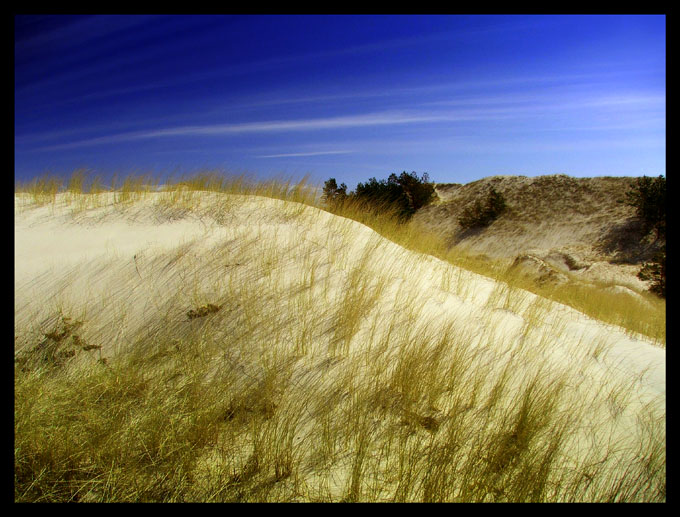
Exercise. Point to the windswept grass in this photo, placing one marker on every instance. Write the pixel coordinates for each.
(644, 314)
(314, 368)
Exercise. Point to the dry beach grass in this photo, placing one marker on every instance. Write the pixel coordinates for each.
(226, 340)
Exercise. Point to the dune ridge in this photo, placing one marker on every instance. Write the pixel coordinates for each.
(325, 363)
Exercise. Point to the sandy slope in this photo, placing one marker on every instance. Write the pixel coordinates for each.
(124, 270)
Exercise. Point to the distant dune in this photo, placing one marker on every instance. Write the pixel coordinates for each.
(555, 224)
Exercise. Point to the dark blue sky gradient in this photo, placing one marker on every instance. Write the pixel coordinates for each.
(459, 97)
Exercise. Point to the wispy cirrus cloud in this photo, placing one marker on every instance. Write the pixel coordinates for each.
(455, 93)
(554, 101)
(291, 155)
(480, 108)
(460, 109)
(351, 121)
(78, 33)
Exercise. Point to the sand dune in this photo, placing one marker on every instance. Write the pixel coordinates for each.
(578, 227)
(327, 296)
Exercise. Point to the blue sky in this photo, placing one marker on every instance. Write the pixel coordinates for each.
(350, 97)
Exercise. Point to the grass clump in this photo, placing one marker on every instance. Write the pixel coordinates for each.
(56, 348)
(203, 311)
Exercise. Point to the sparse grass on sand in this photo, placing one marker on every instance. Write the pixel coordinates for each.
(291, 354)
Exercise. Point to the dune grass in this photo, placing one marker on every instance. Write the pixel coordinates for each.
(275, 382)
(644, 314)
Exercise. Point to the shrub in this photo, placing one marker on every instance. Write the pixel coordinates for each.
(656, 272)
(479, 216)
(648, 196)
(406, 193)
(332, 193)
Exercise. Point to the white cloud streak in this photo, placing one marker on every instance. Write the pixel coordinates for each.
(290, 155)
(353, 121)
